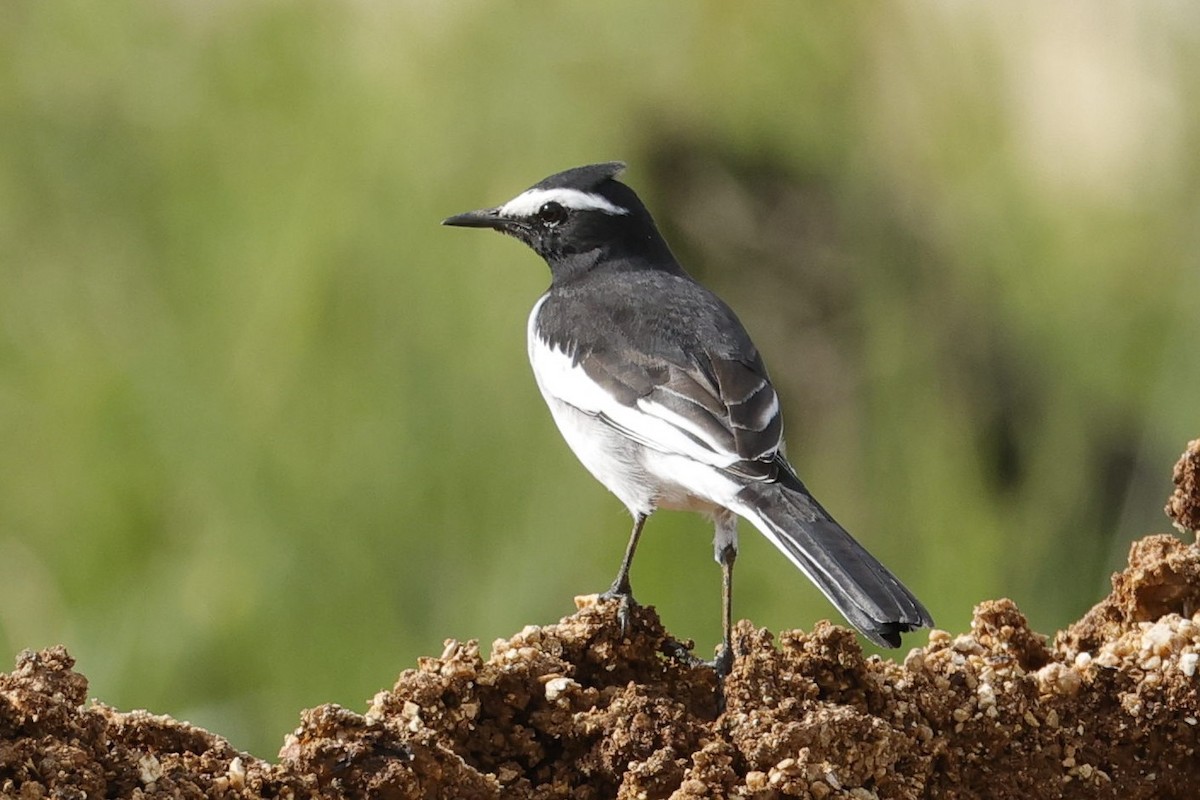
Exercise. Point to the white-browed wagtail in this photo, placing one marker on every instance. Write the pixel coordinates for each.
(656, 386)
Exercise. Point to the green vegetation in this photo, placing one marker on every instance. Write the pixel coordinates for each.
(244, 462)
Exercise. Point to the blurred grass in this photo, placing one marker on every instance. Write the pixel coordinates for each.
(244, 465)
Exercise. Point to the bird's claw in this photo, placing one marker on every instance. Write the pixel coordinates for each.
(722, 664)
(625, 606)
(681, 652)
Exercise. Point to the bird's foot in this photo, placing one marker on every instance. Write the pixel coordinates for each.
(682, 652)
(722, 664)
(625, 606)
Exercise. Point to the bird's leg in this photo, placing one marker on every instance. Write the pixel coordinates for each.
(725, 550)
(725, 546)
(723, 663)
(620, 589)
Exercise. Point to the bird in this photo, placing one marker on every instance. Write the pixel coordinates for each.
(656, 386)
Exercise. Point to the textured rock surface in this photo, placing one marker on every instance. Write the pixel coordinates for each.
(1110, 709)
(1184, 506)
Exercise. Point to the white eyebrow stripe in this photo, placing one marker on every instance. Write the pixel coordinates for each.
(530, 202)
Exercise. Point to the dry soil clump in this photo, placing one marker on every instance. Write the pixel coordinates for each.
(1109, 710)
(1184, 506)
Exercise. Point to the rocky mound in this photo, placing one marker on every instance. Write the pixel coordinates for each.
(1109, 709)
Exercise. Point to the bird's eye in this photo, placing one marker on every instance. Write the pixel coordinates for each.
(552, 213)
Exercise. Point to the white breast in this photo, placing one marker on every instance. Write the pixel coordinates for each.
(610, 457)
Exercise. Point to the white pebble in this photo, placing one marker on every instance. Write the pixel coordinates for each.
(149, 769)
(237, 773)
(1157, 639)
(556, 686)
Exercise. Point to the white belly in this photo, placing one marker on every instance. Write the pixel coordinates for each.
(613, 459)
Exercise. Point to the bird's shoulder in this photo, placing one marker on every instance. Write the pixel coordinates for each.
(658, 314)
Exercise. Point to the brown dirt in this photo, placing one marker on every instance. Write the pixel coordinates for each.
(1109, 710)
(1184, 506)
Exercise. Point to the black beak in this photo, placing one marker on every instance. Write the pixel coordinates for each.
(483, 218)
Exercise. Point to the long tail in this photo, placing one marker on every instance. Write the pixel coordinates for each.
(865, 591)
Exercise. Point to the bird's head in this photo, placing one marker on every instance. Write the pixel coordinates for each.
(581, 211)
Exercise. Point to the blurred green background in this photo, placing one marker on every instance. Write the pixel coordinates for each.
(267, 432)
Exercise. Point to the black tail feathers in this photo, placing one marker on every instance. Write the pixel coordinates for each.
(866, 592)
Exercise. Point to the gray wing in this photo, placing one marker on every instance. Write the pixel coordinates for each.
(719, 411)
(666, 363)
